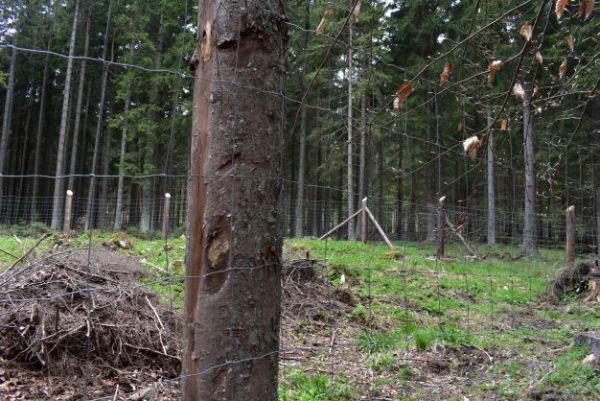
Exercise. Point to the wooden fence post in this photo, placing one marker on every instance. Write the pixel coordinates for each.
(441, 224)
(364, 233)
(68, 212)
(166, 212)
(570, 234)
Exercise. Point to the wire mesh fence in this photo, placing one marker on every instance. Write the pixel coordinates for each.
(374, 323)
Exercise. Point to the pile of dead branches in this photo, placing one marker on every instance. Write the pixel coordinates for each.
(576, 279)
(67, 310)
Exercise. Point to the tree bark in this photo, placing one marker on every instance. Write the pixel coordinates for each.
(38, 139)
(123, 149)
(362, 157)
(78, 107)
(299, 212)
(57, 198)
(231, 324)
(91, 215)
(529, 223)
(7, 118)
(350, 164)
(491, 192)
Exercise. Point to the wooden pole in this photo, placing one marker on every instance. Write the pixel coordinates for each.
(376, 223)
(166, 212)
(68, 212)
(364, 233)
(334, 229)
(570, 234)
(441, 223)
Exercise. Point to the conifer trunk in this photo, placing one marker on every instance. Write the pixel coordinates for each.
(62, 134)
(491, 192)
(529, 223)
(232, 299)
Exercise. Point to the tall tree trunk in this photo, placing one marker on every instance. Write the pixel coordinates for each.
(103, 215)
(123, 148)
(232, 314)
(62, 134)
(350, 164)
(363, 155)
(91, 215)
(529, 223)
(399, 192)
(491, 192)
(299, 212)
(7, 118)
(77, 126)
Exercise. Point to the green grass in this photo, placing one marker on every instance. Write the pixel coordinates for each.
(416, 306)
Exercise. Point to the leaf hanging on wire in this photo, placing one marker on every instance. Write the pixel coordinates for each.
(326, 15)
(526, 31)
(571, 42)
(562, 70)
(471, 145)
(518, 91)
(401, 95)
(503, 125)
(356, 11)
(586, 8)
(561, 5)
(445, 75)
(539, 57)
(493, 68)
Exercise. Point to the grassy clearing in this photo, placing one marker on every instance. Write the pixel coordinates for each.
(443, 330)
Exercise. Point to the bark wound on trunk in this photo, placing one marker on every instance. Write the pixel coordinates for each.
(232, 301)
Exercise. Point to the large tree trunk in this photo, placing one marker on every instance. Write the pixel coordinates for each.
(350, 164)
(7, 118)
(529, 223)
(232, 299)
(91, 215)
(62, 133)
(491, 192)
(78, 107)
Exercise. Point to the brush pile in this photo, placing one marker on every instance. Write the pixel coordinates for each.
(63, 311)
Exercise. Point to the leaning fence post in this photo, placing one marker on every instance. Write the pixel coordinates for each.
(570, 234)
(165, 224)
(68, 211)
(364, 236)
(441, 223)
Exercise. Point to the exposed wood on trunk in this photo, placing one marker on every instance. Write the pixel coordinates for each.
(62, 133)
(233, 315)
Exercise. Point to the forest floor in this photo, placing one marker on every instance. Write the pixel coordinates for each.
(370, 324)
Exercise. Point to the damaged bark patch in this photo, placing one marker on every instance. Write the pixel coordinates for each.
(207, 43)
(217, 254)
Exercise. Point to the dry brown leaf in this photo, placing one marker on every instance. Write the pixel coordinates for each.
(571, 42)
(445, 75)
(460, 224)
(518, 91)
(562, 70)
(356, 11)
(539, 57)
(326, 15)
(493, 68)
(586, 8)
(471, 145)
(526, 31)
(561, 5)
(461, 127)
(504, 125)
(401, 95)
